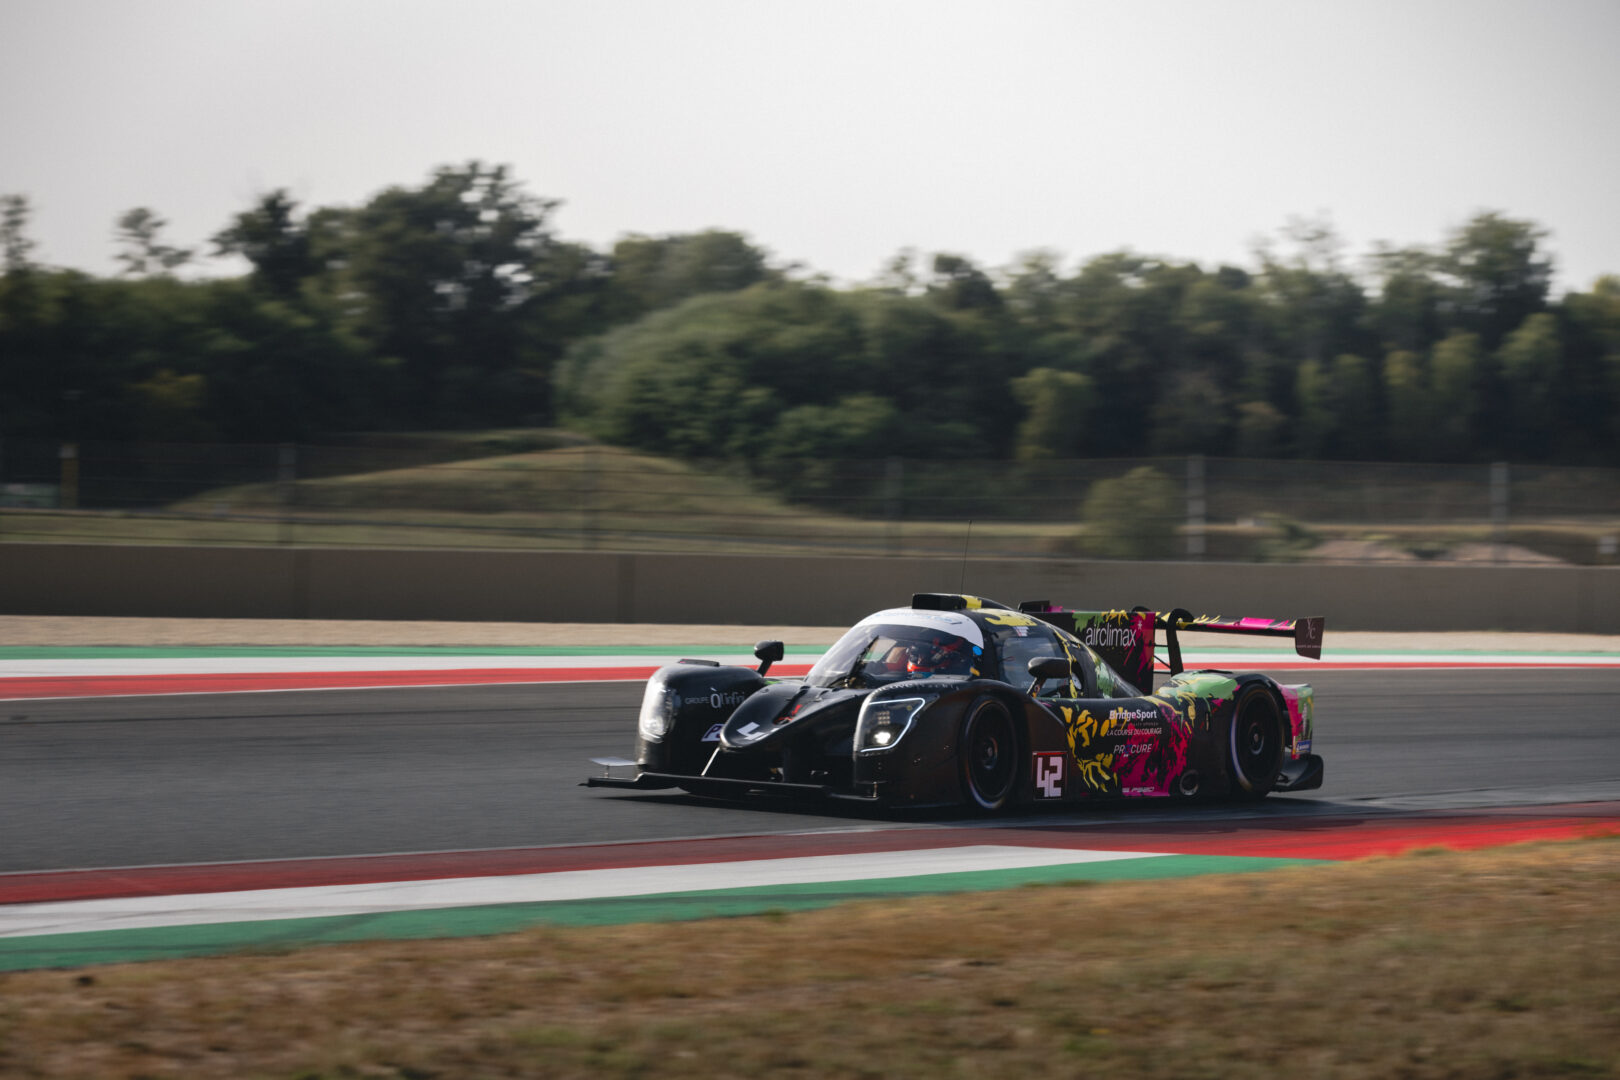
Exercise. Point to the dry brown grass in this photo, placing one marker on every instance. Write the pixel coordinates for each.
(1487, 964)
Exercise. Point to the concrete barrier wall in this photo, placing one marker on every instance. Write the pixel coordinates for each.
(348, 583)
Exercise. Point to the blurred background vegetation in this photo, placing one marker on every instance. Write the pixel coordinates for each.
(454, 304)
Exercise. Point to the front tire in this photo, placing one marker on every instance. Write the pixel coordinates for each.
(989, 756)
(1255, 746)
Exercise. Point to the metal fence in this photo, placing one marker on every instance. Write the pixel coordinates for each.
(597, 497)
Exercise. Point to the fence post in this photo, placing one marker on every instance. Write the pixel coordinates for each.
(894, 472)
(1499, 509)
(1196, 506)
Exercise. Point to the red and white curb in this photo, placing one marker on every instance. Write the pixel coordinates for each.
(137, 912)
(51, 678)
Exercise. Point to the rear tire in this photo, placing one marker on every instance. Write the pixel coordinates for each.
(989, 756)
(1256, 743)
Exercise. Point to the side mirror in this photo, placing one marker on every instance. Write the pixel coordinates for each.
(768, 653)
(1043, 668)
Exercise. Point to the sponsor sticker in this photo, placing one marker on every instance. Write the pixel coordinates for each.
(1049, 774)
(1109, 637)
(713, 734)
(714, 699)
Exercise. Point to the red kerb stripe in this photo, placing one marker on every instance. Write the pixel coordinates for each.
(1292, 837)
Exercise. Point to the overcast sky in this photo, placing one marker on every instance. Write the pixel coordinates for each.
(834, 133)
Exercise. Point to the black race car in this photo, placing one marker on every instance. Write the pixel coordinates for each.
(960, 699)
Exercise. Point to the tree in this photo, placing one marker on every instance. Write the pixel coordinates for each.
(277, 245)
(899, 274)
(959, 285)
(1261, 430)
(1497, 276)
(1338, 409)
(1318, 415)
(1318, 308)
(144, 253)
(649, 273)
(170, 408)
(1035, 288)
(1591, 337)
(1220, 319)
(1192, 417)
(1134, 516)
(1410, 413)
(1057, 405)
(1411, 296)
(14, 240)
(1460, 381)
(1531, 363)
(1355, 389)
(443, 276)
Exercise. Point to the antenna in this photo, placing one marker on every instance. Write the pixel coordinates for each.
(960, 585)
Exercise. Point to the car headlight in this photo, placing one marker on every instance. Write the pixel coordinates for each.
(657, 711)
(884, 723)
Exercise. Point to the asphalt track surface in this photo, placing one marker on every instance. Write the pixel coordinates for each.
(205, 778)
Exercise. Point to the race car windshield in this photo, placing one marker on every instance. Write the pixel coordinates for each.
(875, 654)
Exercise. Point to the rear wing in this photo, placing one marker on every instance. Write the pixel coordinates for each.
(1126, 639)
(1306, 632)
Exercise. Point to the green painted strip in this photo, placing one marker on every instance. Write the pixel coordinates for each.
(131, 652)
(172, 942)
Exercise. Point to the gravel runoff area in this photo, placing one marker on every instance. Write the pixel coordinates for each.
(61, 630)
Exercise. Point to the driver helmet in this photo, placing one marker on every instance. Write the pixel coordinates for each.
(928, 656)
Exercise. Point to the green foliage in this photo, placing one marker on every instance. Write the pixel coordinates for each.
(1498, 276)
(1411, 407)
(278, 246)
(143, 252)
(453, 304)
(649, 273)
(1591, 332)
(1408, 313)
(444, 273)
(1058, 407)
(170, 407)
(1530, 362)
(1460, 388)
(1355, 388)
(15, 244)
(1262, 430)
(785, 370)
(1192, 417)
(958, 285)
(1317, 308)
(1133, 516)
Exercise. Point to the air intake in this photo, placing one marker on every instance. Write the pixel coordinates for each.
(938, 601)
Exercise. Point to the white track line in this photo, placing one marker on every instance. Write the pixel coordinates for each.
(128, 913)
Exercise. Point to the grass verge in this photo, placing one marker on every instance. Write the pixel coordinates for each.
(1438, 964)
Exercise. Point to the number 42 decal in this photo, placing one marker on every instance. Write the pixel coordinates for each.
(1049, 775)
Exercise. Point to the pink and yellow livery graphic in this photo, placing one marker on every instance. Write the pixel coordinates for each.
(1145, 740)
